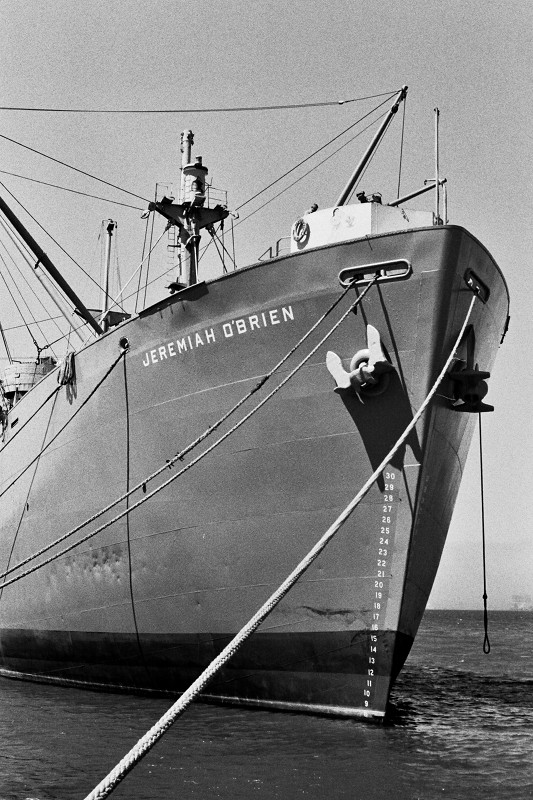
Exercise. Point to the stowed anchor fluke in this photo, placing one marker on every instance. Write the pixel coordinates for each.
(369, 368)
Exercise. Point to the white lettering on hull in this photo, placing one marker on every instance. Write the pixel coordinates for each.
(234, 327)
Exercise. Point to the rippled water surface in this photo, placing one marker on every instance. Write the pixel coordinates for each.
(461, 726)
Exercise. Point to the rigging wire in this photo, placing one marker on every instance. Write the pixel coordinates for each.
(150, 248)
(238, 222)
(87, 274)
(307, 158)
(27, 492)
(69, 166)
(29, 258)
(192, 110)
(66, 189)
(244, 219)
(50, 319)
(22, 325)
(62, 428)
(32, 321)
(216, 237)
(114, 302)
(39, 349)
(220, 254)
(67, 335)
(371, 158)
(401, 147)
(388, 96)
(30, 287)
(138, 292)
(206, 248)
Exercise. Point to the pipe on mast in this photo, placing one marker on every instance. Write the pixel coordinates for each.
(49, 267)
(407, 197)
(373, 144)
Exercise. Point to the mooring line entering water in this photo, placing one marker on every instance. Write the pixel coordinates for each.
(112, 780)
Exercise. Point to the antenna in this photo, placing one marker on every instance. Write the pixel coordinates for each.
(104, 319)
(437, 184)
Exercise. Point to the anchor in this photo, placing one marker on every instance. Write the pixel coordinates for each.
(469, 389)
(469, 382)
(369, 368)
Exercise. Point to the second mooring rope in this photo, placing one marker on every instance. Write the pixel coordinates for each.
(182, 453)
(128, 510)
(111, 781)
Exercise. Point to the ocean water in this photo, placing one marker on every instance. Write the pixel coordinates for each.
(461, 726)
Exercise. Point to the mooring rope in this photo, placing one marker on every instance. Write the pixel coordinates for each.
(111, 781)
(179, 456)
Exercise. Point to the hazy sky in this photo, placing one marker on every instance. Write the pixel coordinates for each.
(471, 59)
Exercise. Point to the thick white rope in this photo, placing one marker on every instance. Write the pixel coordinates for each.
(111, 781)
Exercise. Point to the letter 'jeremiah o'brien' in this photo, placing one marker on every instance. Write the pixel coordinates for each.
(234, 327)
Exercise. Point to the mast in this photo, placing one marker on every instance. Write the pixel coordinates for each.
(373, 144)
(190, 214)
(437, 198)
(6, 346)
(186, 257)
(49, 267)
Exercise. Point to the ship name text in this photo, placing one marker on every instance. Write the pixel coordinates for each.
(227, 330)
